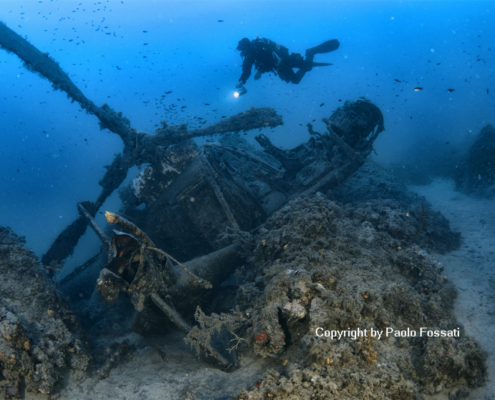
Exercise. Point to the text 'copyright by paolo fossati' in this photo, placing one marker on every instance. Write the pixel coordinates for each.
(354, 334)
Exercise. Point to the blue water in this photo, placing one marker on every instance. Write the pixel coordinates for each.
(130, 53)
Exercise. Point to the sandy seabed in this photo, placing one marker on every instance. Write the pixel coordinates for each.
(472, 267)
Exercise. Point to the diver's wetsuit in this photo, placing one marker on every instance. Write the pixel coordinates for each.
(268, 56)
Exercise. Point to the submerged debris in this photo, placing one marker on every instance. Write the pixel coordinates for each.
(192, 194)
(149, 275)
(217, 335)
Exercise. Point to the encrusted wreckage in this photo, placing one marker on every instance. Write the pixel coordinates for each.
(222, 190)
(202, 191)
(196, 193)
(261, 221)
(193, 194)
(139, 147)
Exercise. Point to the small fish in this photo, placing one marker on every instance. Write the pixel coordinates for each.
(397, 80)
(322, 104)
(219, 20)
(450, 90)
(487, 91)
(418, 89)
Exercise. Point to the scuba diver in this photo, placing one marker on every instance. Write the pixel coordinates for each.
(268, 56)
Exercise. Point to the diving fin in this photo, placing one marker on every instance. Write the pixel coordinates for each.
(320, 64)
(325, 47)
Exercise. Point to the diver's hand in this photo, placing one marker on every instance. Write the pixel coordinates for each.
(239, 85)
(240, 90)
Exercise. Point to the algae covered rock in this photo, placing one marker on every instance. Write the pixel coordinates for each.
(476, 173)
(322, 267)
(395, 208)
(39, 337)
